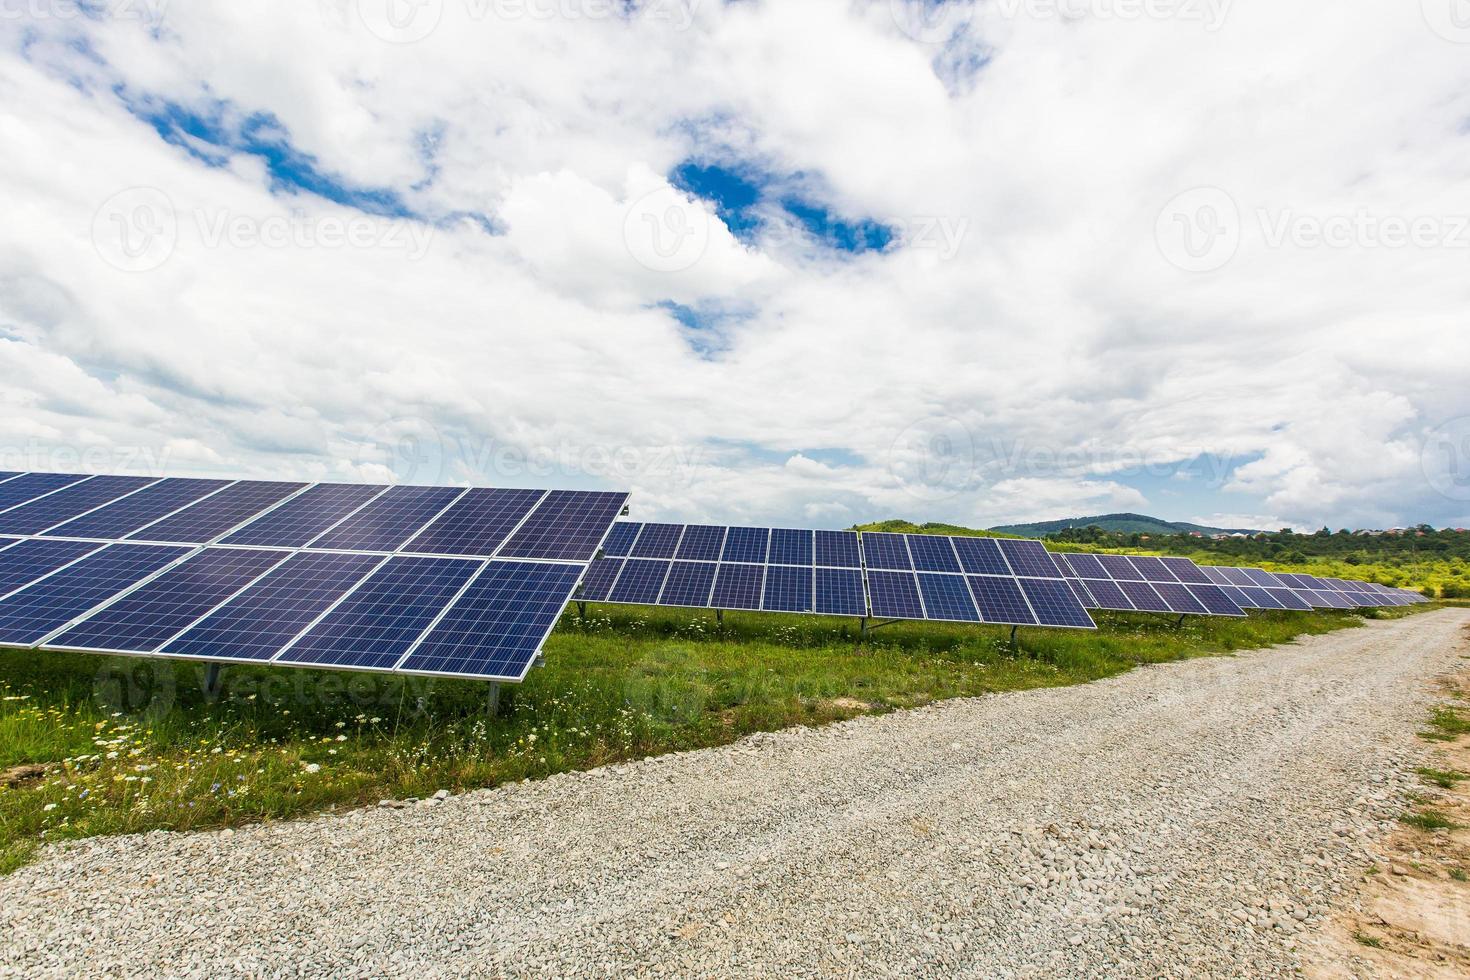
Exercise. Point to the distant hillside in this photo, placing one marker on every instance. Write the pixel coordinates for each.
(954, 530)
(1119, 523)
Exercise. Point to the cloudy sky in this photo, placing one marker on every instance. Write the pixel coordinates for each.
(808, 262)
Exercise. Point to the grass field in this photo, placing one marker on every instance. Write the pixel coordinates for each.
(93, 745)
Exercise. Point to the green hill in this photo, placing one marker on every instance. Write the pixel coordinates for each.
(954, 530)
(1120, 523)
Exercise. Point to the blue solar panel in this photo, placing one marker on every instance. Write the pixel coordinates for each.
(641, 582)
(1080, 591)
(149, 617)
(39, 609)
(791, 547)
(838, 549)
(477, 524)
(1087, 566)
(389, 520)
(8, 475)
(218, 514)
(303, 517)
(62, 506)
(1028, 558)
(1179, 598)
(933, 553)
(886, 552)
(788, 589)
(1153, 569)
(601, 575)
(1214, 599)
(1000, 600)
(1290, 599)
(7, 542)
(122, 517)
(1237, 577)
(689, 584)
(1054, 604)
(620, 539)
(1186, 571)
(738, 586)
(378, 622)
(569, 525)
(1215, 575)
(840, 592)
(746, 544)
(1143, 597)
(1120, 568)
(257, 623)
(18, 490)
(1262, 578)
(1252, 598)
(894, 595)
(494, 631)
(1106, 595)
(947, 597)
(30, 560)
(657, 541)
(702, 543)
(981, 556)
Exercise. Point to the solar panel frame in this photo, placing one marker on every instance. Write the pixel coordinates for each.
(28, 487)
(739, 586)
(702, 543)
(1107, 595)
(1120, 569)
(601, 575)
(640, 582)
(1001, 600)
(1259, 597)
(746, 545)
(476, 524)
(791, 546)
(1028, 559)
(1186, 571)
(1179, 598)
(933, 553)
(219, 514)
(1144, 597)
(1086, 566)
(894, 594)
(153, 503)
(304, 516)
(1053, 604)
(980, 556)
(23, 562)
(657, 541)
(1153, 569)
(620, 538)
(69, 503)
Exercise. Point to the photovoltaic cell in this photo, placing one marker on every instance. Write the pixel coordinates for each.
(1054, 603)
(379, 621)
(18, 490)
(1087, 566)
(620, 539)
(1120, 568)
(1290, 599)
(886, 552)
(641, 582)
(30, 560)
(1179, 598)
(791, 547)
(658, 541)
(746, 544)
(1143, 597)
(689, 584)
(947, 598)
(303, 517)
(1237, 577)
(496, 628)
(389, 521)
(1262, 578)
(838, 549)
(1000, 600)
(701, 542)
(257, 623)
(1186, 571)
(1107, 595)
(1153, 569)
(1028, 558)
(1215, 575)
(568, 525)
(840, 592)
(122, 517)
(476, 524)
(738, 586)
(43, 607)
(894, 595)
(601, 575)
(218, 514)
(788, 589)
(62, 506)
(149, 617)
(1252, 598)
(981, 556)
(932, 553)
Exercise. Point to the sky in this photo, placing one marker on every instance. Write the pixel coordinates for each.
(804, 263)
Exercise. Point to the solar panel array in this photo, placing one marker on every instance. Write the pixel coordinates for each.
(1256, 588)
(1141, 584)
(834, 573)
(443, 581)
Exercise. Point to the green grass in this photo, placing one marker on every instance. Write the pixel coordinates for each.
(1443, 778)
(1446, 723)
(1427, 819)
(1362, 938)
(133, 745)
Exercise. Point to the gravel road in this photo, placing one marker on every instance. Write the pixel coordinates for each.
(1187, 819)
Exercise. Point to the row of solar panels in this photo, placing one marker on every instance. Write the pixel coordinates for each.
(556, 525)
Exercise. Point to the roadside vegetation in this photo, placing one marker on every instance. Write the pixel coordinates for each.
(93, 745)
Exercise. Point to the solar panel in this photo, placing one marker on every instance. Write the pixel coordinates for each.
(569, 525)
(738, 586)
(791, 547)
(135, 511)
(601, 575)
(838, 549)
(1261, 577)
(389, 520)
(894, 595)
(947, 598)
(932, 553)
(477, 523)
(746, 544)
(701, 543)
(1215, 575)
(1120, 569)
(1153, 569)
(217, 514)
(1054, 604)
(29, 486)
(788, 589)
(620, 539)
(305, 516)
(641, 582)
(658, 541)
(1000, 600)
(1290, 599)
(1256, 598)
(689, 584)
(839, 592)
(30, 560)
(1186, 571)
(61, 506)
(1087, 566)
(254, 625)
(981, 556)
(886, 552)
(496, 628)
(379, 621)
(153, 614)
(1143, 597)
(45, 606)
(8, 475)
(1179, 598)
(1107, 595)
